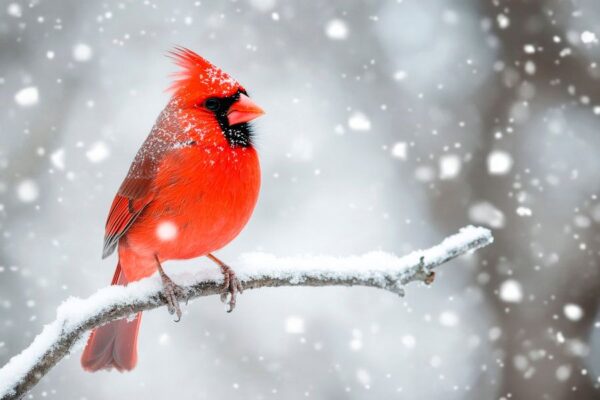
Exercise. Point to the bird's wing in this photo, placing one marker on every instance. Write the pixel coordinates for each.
(135, 193)
(137, 190)
(123, 213)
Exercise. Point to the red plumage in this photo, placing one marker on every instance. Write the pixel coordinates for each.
(190, 190)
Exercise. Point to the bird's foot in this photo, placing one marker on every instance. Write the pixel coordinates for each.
(430, 278)
(171, 291)
(231, 287)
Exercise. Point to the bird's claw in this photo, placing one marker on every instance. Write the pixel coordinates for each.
(429, 278)
(429, 275)
(231, 287)
(172, 292)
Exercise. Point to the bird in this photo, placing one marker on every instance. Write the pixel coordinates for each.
(190, 190)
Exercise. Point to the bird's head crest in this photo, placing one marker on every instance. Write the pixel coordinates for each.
(198, 77)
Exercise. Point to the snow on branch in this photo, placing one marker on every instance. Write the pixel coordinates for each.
(75, 317)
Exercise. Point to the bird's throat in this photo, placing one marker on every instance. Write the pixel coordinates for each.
(239, 135)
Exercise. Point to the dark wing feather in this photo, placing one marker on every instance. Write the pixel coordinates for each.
(134, 194)
(137, 190)
(123, 214)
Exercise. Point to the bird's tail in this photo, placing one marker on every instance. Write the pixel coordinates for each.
(113, 345)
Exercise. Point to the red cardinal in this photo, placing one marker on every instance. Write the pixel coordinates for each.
(189, 191)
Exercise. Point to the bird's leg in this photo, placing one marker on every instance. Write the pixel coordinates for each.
(232, 284)
(171, 291)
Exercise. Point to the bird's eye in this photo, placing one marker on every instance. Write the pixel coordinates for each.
(212, 104)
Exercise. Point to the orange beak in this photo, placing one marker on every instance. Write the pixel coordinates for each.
(243, 110)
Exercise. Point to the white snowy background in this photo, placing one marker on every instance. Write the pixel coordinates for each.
(389, 125)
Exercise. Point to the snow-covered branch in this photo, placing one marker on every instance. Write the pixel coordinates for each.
(75, 317)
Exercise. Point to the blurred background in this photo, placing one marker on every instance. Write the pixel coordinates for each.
(390, 124)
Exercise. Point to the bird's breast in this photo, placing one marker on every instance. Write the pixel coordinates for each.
(204, 197)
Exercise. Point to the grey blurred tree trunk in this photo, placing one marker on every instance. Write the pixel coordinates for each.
(530, 329)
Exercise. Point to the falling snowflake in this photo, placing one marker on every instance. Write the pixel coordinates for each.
(164, 339)
(448, 318)
(503, 21)
(563, 372)
(294, 325)
(27, 97)
(166, 231)
(359, 122)
(82, 52)
(97, 152)
(450, 165)
(588, 37)
(511, 291)
(27, 191)
(58, 159)
(356, 343)
(336, 29)
(399, 150)
(494, 333)
(499, 162)
(14, 10)
(400, 75)
(530, 67)
(409, 341)
(572, 311)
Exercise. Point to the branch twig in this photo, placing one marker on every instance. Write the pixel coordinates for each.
(75, 317)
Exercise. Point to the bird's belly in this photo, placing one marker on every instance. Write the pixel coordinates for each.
(198, 214)
(183, 237)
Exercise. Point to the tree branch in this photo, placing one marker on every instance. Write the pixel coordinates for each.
(75, 317)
